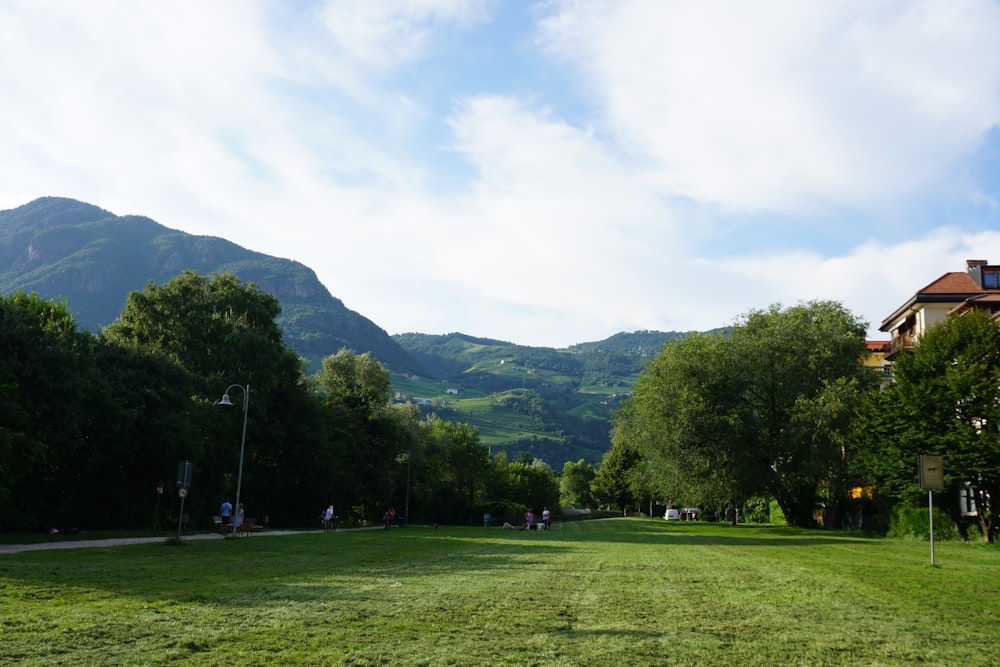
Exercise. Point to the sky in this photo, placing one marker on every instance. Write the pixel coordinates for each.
(545, 173)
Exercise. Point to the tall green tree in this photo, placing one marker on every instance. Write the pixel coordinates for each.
(760, 410)
(222, 332)
(805, 380)
(686, 421)
(574, 484)
(46, 371)
(365, 436)
(612, 483)
(456, 492)
(946, 402)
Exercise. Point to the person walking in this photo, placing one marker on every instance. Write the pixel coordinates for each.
(547, 518)
(328, 524)
(486, 520)
(390, 514)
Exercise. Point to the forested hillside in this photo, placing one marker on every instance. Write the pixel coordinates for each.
(68, 250)
(553, 403)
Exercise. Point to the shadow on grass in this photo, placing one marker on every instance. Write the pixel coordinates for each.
(646, 531)
(315, 567)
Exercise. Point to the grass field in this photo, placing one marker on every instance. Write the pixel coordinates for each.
(609, 592)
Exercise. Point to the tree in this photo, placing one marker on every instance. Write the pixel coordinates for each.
(946, 402)
(759, 410)
(355, 380)
(223, 332)
(46, 368)
(457, 489)
(612, 485)
(805, 378)
(686, 420)
(574, 486)
(364, 435)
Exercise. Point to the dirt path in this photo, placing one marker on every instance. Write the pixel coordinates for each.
(122, 541)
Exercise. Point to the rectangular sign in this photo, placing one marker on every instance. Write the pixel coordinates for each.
(931, 472)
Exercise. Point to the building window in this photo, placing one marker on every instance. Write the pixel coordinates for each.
(991, 279)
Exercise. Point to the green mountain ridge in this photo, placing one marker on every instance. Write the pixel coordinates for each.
(91, 259)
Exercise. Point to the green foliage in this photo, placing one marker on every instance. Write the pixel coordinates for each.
(613, 482)
(45, 370)
(763, 410)
(914, 522)
(355, 380)
(946, 402)
(775, 515)
(575, 484)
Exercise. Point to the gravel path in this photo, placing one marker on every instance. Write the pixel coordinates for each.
(115, 542)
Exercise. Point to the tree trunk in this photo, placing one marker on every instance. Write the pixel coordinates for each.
(986, 525)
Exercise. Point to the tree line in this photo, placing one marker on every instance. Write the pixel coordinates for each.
(91, 425)
(781, 408)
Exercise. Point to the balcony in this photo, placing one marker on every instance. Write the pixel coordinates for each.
(901, 342)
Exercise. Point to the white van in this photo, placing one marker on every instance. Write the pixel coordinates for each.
(672, 514)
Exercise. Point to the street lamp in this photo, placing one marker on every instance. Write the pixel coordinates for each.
(399, 459)
(243, 441)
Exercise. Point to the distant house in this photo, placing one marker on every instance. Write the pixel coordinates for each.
(876, 359)
(451, 390)
(977, 287)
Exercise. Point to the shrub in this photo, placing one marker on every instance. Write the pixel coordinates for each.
(777, 516)
(914, 522)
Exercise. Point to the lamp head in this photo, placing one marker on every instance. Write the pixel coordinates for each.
(225, 400)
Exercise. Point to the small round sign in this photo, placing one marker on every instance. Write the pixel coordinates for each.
(182, 492)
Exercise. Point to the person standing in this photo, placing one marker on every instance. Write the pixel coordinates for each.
(238, 523)
(226, 513)
(547, 518)
(390, 514)
(529, 520)
(328, 519)
(486, 520)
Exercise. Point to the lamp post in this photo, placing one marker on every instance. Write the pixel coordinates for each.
(243, 441)
(399, 459)
(159, 494)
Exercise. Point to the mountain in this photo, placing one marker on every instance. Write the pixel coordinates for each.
(81, 254)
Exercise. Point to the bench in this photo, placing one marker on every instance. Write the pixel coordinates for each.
(247, 527)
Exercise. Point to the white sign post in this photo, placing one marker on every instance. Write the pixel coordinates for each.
(931, 478)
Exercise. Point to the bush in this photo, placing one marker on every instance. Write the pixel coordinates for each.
(757, 509)
(777, 517)
(914, 523)
(973, 532)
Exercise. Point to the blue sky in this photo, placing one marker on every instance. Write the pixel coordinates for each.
(544, 173)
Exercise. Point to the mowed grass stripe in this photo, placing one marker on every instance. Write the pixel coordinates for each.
(610, 592)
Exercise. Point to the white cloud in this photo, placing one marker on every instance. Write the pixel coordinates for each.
(383, 34)
(615, 198)
(774, 105)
